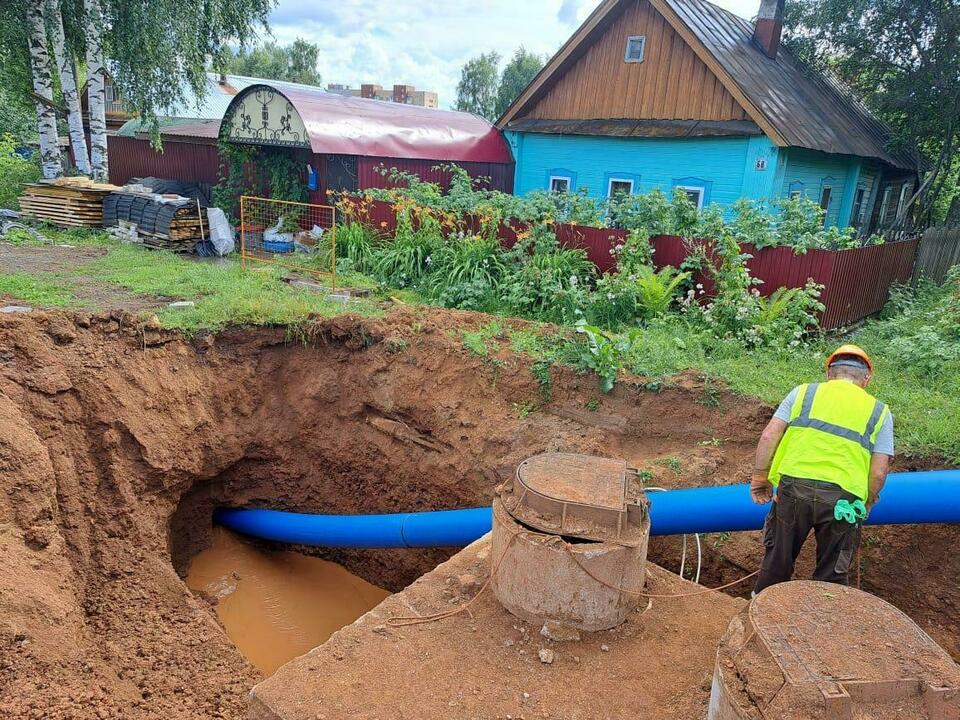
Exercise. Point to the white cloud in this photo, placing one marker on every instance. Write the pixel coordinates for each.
(425, 43)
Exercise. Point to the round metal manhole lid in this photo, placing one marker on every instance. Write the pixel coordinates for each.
(842, 647)
(581, 496)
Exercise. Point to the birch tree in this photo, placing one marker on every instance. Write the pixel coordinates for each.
(96, 98)
(50, 161)
(68, 87)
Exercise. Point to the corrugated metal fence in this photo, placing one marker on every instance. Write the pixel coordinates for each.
(939, 251)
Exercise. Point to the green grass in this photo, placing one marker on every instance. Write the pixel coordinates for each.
(35, 290)
(476, 340)
(225, 293)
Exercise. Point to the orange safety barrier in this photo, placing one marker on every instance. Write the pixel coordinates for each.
(300, 237)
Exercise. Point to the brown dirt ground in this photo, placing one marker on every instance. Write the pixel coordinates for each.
(116, 443)
(485, 664)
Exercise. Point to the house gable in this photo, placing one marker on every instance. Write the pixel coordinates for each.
(590, 78)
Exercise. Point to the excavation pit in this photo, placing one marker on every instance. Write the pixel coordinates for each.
(807, 650)
(119, 441)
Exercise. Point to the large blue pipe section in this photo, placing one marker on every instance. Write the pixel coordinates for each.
(908, 498)
(399, 530)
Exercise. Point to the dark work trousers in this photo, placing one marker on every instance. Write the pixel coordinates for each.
(804, 505)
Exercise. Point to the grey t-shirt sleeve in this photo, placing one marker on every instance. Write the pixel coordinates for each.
(884, 444)
(783, 411)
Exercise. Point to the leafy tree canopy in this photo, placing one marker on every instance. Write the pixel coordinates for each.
(158, 51)
(296, 62)
(477, 89)
(518, 73)
(903, 58)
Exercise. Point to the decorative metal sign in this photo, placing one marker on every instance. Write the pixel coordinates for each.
(263, 116)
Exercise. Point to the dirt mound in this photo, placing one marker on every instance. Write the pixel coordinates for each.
(117, 441)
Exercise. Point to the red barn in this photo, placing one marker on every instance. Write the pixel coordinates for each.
(344, 140)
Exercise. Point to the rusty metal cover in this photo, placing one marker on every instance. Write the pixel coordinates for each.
(811, 649)
(581, 496)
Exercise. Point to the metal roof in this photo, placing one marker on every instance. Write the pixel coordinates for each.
(794, 105)
(196, 110)
(357, 126)
(807, 108)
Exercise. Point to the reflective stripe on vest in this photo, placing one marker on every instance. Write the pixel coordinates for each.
(865, 440)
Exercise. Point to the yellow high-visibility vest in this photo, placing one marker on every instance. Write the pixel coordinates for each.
(832, 432)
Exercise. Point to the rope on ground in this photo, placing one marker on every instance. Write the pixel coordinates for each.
(640, 593)
(403, 621)
(399, 621)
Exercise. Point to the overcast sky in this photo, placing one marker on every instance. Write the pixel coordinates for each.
(425, 42)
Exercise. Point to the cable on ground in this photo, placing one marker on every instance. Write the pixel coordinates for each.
(403, 621)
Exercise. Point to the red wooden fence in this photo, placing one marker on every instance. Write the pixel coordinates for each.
(856, 282)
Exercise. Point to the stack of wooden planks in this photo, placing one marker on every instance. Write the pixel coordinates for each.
(184, 232)
(66, 202)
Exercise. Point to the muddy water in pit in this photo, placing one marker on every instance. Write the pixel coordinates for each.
(277, 605)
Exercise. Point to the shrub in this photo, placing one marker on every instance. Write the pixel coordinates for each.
(623, 299)
(15, 171)
(548, 282)
(603, 353)
(406, 259)
(738, 310)
(922, 329)
(357, 242)
(649, 212)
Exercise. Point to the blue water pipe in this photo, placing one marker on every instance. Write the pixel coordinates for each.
(907, 499)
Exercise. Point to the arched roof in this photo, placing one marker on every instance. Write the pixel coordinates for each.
(356, 126)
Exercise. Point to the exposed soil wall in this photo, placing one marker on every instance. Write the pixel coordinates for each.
(116, 443)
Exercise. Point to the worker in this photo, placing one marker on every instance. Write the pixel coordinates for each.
(826, 452)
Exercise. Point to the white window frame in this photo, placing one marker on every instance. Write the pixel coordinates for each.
(902, 200)
(884, 205)
(856, 215)
(613, 180)
(560, 177)
(796, 194)
(702, 191)
(642, 39)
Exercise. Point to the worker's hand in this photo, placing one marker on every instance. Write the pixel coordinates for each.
(760, 488)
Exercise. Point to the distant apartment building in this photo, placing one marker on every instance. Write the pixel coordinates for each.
(405, 94)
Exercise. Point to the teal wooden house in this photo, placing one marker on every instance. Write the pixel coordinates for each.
(683, 94)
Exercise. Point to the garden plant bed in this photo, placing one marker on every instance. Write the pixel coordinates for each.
(119, 439)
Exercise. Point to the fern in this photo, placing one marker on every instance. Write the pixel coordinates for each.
(657, 290)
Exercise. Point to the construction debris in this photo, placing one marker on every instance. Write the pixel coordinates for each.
(66, 202)
(168, 222)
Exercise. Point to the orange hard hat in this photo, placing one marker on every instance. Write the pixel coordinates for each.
(855, 351)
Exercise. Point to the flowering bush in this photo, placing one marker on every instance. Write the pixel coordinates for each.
(738, 310)
(547, 282)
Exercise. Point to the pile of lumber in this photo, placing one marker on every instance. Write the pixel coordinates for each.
(185, 231)
(66, 202)
(161, 221)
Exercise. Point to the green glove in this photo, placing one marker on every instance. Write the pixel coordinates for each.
(850, 512)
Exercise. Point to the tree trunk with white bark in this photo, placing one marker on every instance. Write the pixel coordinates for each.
(68, 86)
(96, 99)
(50, 162)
